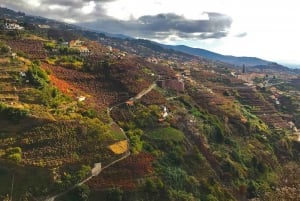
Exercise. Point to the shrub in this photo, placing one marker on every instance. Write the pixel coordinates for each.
(180, 196)
(115, 194)
(252, 190)
(210, 197)
(4, 49)
(83, 172)
(136, 144)
(16, 157)
(14, 154)
(219, 136)
(22, 54)
(13, 114)
(14, 150)
(80, 193)
(37, 76)
(90, 113)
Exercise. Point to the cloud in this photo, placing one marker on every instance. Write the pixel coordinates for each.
(92, 14)
(74, 10)
(162, 26)
(241, 35)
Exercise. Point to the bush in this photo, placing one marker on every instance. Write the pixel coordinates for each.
(115, 194)
(153, 185)
(90, 113)
(136, 144)
(82, 193)
(4, 50)
(210, 197)
(14, 154)
(83, 172)
(13, 114)
(219, 136)
(252, 190)
(180, 196)
(14, 150)
(22, 54)
(16, 157)
(37, 76)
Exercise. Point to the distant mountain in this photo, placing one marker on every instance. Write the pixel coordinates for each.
(248, 61)
(294, 66)
(141, 47)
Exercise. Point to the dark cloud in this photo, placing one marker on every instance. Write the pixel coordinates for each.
(162, 26)
(168, 22)
(72, 3)
(69, 9)
(159, 26)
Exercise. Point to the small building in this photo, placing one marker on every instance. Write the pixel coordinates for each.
(75, 43)
(22, 74)
(64, 43)
(44, 26)
(175, 84)
(161, 83)
(13, 55)
(130, 102)
(84, 51)
(13, 26)
(97, 169)
(165, 112)
(187, 72)
(81, 98)
(110, 48)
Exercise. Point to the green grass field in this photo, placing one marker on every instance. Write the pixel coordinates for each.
(165, 133)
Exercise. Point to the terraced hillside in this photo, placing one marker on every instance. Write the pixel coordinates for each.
(173, 128)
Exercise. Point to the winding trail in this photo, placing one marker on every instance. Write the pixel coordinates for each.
(136, 97)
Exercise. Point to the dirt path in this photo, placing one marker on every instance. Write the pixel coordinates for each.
(138, 96)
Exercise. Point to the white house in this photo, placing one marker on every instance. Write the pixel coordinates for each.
(22, 74)
(13, 26)
(81, 98)
(165, 112)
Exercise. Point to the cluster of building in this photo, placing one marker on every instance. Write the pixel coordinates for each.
(78, 44)
(12, 26)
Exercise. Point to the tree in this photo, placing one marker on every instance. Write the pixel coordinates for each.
(4, 49)
(180, 195)
(14, 154)
(219, 136)
(16, 157)
(83, 172)
(82, 192)
(115, 194)
(136, 144)
(210, 197)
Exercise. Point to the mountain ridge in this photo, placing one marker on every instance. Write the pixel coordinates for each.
(206, 54)
(235, 60)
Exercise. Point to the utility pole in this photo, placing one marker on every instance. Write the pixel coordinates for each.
(12, 187)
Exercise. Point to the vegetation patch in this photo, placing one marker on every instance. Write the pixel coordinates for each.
(119, 147)
(166, 133)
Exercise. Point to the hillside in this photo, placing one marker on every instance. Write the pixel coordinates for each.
(89, 117)
(239, 61)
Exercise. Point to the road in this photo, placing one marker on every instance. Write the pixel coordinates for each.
(144, 92)
(138, 96)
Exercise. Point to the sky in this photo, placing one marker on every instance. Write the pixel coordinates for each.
(269, 29)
